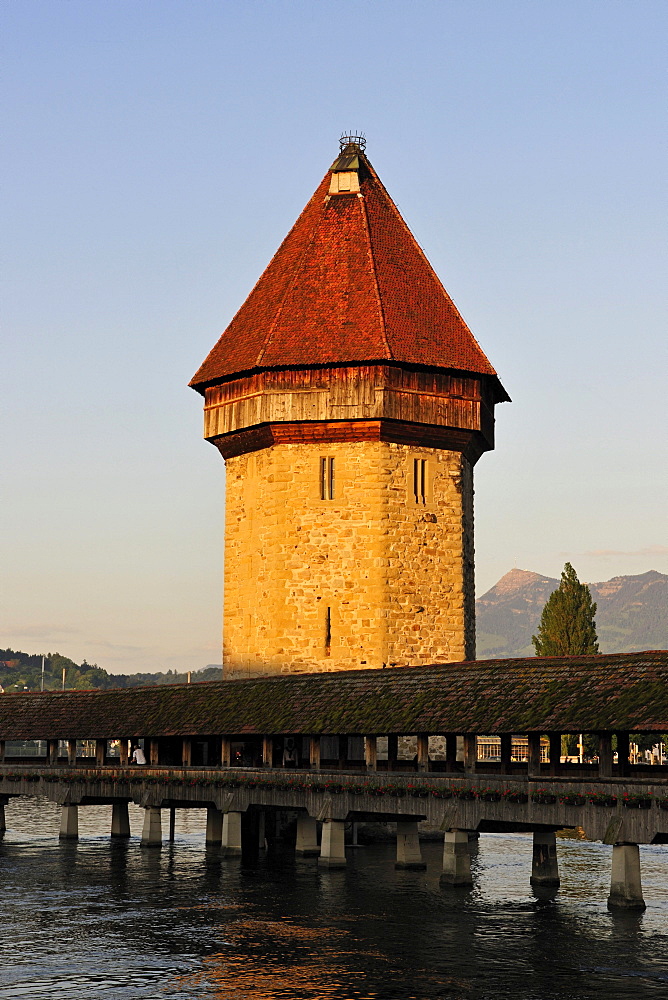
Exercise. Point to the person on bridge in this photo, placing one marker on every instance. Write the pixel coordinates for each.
(138, 756)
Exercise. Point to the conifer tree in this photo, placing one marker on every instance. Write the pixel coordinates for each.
(567, 626)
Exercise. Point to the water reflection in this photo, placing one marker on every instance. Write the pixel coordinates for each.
(102, 918)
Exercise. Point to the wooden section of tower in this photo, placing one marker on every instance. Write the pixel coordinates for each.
(350, 402)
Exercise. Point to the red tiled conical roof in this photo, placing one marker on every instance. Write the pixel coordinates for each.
(348, 284)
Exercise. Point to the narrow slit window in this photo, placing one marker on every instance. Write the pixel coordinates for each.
(420, 480)
(327, 478)
(328, 631)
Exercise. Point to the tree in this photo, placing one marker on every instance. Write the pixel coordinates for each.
(567, 626)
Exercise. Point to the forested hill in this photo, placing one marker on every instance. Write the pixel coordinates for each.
(23, 672)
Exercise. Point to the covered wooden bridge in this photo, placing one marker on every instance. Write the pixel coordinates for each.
(323, 746)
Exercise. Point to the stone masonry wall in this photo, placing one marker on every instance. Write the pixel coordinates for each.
(396, 575)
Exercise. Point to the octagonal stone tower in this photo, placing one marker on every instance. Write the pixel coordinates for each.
(350, 402)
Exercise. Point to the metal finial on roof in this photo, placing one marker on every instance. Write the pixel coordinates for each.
(359, 141)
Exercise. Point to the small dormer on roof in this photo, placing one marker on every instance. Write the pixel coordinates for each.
(345, 169)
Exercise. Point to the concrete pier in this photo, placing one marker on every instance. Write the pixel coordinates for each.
(231, 833)
(332, 847)
(69, 823)
(456, 858)
(544, 866)
(120, 820)
(625, 884)
(307, 836)
(214, 826)
(152, 832)
(409, 855)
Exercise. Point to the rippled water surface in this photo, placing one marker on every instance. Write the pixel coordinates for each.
(97, 919)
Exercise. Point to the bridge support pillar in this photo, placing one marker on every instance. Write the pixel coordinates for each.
(3, 823)
(231, 834)
(307, 836)
(544, 866)
(120, 820)
(332, 847)
(214, 826)
(69, 823)
(409, 855)
(625, 884)
(456, 858)
(152, 832)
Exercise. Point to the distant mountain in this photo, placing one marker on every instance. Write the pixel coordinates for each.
(632, 613)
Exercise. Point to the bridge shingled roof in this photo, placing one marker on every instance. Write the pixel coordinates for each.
(621, 691)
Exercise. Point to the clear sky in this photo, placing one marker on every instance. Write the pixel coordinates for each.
(156, 154)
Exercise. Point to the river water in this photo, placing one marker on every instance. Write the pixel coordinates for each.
(97, 919)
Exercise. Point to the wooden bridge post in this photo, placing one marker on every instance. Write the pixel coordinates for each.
(2, 751)
(52, 751)
(506, 751)
(625, 882)
(470, 752)
(225, 751)
(555, 752)
(267, 751)
(371, 753)
(605, 755)
(456, 858)
(423, 752)
(533, 765)
(314, 753)
(186, 751)
(100, 752)
(154, 753)
(72, 752)
(623, 751)
(124, 753)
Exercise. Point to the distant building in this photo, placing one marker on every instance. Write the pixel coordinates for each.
(350, 402)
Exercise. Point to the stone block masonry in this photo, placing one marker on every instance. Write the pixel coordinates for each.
(380, 574)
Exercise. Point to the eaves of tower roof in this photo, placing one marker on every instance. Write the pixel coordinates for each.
(348, 284)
